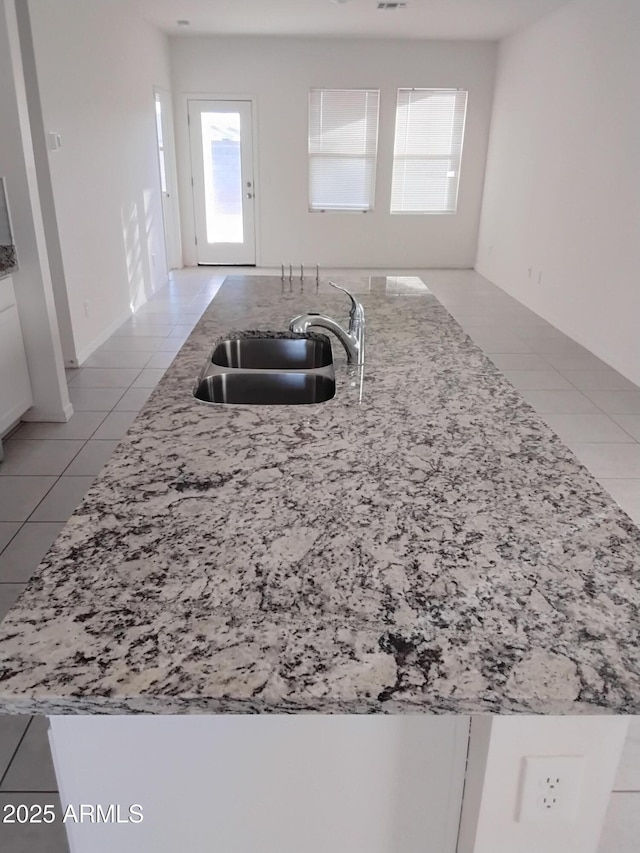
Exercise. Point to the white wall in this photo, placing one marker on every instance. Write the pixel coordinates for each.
(622, 824)
(497, 747)
(279, 72)
(97, 65)
(562, 192)
(45, 190)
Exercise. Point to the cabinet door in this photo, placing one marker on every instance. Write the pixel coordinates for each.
(15, 384)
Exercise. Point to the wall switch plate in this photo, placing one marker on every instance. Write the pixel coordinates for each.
(54, 141)
(550, 788)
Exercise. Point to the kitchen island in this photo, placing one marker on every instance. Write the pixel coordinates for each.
(421, 543)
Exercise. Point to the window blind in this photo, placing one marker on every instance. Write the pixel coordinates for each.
(343, 142)
(427, 150)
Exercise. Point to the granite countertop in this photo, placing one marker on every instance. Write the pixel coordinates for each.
(420, 543)
(8, 260)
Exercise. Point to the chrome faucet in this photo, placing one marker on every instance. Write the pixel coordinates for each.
(352, 340)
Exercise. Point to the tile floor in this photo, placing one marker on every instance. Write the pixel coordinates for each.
(49, 467)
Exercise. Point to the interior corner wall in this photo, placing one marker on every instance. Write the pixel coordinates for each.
(43, 179)
(279, 72)
(31, 282)
(562, 189)
(97, 64)
(490, 821)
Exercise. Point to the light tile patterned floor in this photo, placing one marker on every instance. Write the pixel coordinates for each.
(49, 467)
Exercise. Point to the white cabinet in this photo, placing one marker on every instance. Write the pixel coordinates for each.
(264, 783)
(15, 385)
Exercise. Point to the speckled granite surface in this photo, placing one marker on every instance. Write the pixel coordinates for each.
(8, 260)
(420, 543)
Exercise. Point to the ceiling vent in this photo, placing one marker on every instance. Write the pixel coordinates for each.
(392, 5)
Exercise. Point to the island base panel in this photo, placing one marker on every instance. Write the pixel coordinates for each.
(264, 784)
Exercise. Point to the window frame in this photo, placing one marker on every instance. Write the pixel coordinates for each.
(404, 159)
(373, 158)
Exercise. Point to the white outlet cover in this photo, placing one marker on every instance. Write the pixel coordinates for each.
(550, 788)
(54, 141)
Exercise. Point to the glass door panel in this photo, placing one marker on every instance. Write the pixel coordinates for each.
(222, 177)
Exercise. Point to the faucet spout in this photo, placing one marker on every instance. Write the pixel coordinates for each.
(352, 340)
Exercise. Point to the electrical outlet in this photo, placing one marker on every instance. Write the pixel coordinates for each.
(550, 788)
(54, 141)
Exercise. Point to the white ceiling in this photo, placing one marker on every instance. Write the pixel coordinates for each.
(422, 19)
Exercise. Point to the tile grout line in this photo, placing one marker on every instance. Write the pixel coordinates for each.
(22, 524)
(15, 752)
(579, 390)
(4, 791)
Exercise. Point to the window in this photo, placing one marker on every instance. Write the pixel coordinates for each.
(427, 150)
(343, 141)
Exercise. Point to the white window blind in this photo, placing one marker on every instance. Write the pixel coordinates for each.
(427, 150)
(343, 142)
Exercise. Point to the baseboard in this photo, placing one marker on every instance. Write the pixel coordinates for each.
(13, 416)
(55, 416)
(83, 354)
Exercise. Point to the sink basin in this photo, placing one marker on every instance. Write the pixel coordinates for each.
(268, 368)
(270, 389)
(273, 354)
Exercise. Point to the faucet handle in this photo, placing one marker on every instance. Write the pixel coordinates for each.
(357, 311)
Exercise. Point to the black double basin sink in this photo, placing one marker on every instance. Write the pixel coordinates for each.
(278, 369)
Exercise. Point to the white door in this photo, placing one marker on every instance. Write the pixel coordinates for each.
(168, 186)
(223, 187)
